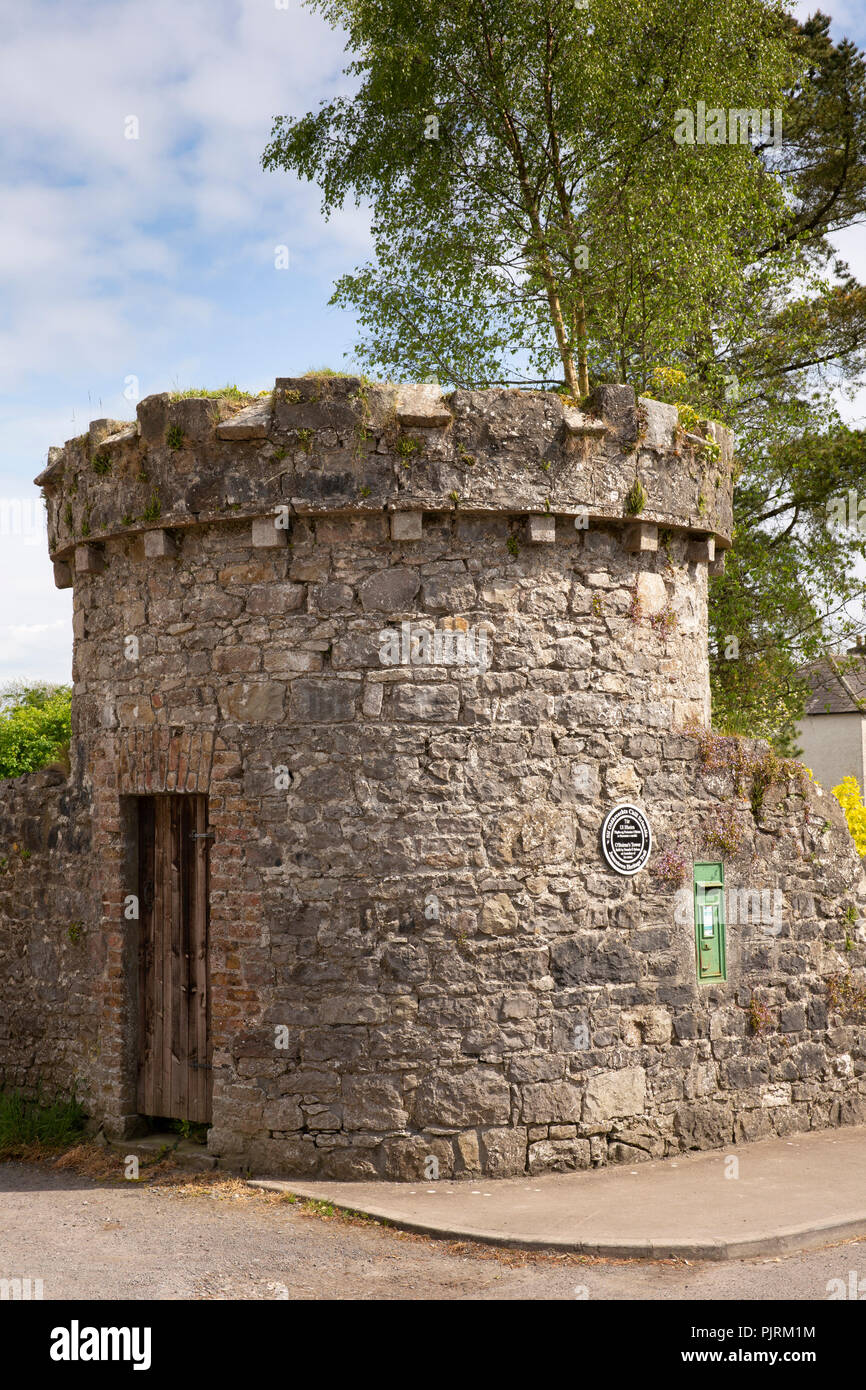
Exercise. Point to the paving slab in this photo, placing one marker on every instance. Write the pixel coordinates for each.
(770, 1197)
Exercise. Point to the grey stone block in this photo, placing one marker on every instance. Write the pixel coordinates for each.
(158, 545)
(406, 526)
(541, 530)
(267, 534)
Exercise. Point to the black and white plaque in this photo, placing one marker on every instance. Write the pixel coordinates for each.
(626, 839)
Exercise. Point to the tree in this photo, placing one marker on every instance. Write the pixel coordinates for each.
(793, 583)
(530, 199)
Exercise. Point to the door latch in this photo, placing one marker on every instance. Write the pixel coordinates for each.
(201, 834)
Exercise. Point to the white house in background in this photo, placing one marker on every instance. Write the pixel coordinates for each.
(832, 734)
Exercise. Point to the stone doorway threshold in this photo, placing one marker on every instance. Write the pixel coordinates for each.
(789, 1194)
(184, 1152)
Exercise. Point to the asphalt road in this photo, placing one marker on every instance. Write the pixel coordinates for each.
(86, 1239)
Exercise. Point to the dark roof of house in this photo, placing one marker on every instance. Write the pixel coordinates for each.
(829, 678)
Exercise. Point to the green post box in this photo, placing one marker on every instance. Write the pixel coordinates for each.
(709, 888)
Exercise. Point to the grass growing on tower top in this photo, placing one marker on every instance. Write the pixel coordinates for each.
(227, 392)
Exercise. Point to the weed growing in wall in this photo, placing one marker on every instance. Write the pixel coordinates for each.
(664, 621)
(670, 869)
(727, 833)
(711, 451)
(689, 418)
(406, 447)
(760, 1017)
(753, 769)
(845, 995)
(636, 499)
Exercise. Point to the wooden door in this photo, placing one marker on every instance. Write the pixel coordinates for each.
(175, 1050)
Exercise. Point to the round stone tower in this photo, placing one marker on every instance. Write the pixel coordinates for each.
(376, 663)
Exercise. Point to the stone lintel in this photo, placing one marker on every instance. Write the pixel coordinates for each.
(406, 526)
(89, 559)
(542, 529)
(267, 535)
(159, 544)
(641, 536)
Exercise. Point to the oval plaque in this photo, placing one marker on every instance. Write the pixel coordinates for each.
(626, 839)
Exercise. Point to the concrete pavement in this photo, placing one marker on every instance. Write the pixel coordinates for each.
(770, 1197)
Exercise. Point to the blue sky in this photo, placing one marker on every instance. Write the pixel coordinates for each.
(154, 257)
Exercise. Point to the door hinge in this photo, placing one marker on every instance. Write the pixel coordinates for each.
(201, 1066)
(201, 834)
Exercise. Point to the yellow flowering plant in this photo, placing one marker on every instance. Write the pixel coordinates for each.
(848, 795)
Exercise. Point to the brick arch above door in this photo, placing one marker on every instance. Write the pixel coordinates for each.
(164, 760)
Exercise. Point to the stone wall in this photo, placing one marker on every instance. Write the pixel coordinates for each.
(51, 951)
(416, 947)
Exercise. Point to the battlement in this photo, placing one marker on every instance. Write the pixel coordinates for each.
(322, 445)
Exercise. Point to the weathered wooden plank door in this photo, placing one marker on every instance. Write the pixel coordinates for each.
(175, 1048)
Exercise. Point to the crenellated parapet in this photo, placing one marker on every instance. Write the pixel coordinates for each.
(322, 445)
